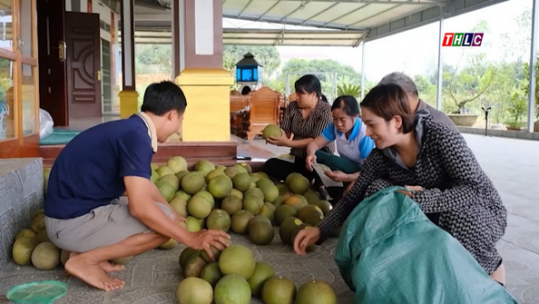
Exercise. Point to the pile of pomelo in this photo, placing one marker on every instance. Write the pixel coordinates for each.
(234, 198)
(234, 276)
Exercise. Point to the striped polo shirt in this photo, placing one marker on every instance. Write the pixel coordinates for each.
(310, 127)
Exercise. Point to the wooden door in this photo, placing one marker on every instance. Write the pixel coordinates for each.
(52, 65)
(83, 69)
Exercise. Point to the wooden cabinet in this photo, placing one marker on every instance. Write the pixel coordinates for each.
(19, 89)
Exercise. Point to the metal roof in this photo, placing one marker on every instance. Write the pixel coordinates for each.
(312, 23)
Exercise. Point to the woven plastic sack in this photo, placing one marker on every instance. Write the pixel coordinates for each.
(390, 252)
(46, 124)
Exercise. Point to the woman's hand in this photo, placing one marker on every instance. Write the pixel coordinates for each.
(337, 176)
(309, 161)
(204, 239)
(409, 191)
(281, 141)
(304, 239)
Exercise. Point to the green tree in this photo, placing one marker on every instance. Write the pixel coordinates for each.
(153, 58)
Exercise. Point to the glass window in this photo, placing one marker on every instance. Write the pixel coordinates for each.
(7, 115)
(28, 100)
(6, 25)
(27, 24)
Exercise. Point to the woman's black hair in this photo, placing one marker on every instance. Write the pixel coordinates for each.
(324, 98)
(309, 84)
(347, 103)
(388, 101)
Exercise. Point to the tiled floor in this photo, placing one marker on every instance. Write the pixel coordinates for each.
(513, 165)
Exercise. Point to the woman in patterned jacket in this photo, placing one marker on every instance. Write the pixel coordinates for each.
(437, 167)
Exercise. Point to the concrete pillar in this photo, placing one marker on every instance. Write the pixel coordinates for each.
(199, 57)
(128, 96)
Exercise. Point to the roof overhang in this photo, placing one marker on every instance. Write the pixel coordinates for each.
(266, 37)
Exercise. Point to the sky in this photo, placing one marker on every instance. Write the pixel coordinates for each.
(416, 51)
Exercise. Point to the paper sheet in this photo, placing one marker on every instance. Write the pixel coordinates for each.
(328, 182)
(286, 157)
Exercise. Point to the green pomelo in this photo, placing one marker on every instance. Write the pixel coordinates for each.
(283, 212)
(182, 194)
(37, 223)
(262, 273)
(179, 205)
(194, 266)
(164, 170)
(264, 182)
(231, 204)
(282, 188)
(241, 169)
(46, 256)
(237, 259)
(204, 166)
(278, 290)
(271, 192)
(254, 192)
(154, 166)
(232, 289)
(205, 194)
(193, 182)
(237, 193)
(216, 254)
(218, 220)
(246, 166)
(271, 131)
(155, 177)
(166, 189)
(316, 292)
(220, 167)
(211, 273)
(22, 250)
(194, 291)
(311, 196)
(309, 210)
(177, 164)
(259, 218)
(64, 256)
(220, 186)
(172, 179)
(198, 207)
(213, 173)
(252, 204)
(268, 210)
(242, 181)
(296, 201)
(231, 172)
(42, 236)
(240, 221)
(314, 220)
(186, 254)
(286, 229)
(193, 225)
(261, 233)
(171, 243)
(325, 206)
(278, 201)
(25, 232)
(180, 175)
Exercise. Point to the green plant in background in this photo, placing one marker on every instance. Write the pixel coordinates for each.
(517, 107)
(349, 89)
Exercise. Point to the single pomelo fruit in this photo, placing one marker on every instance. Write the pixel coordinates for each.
(193, 225)
(271, 130)
(232, 289)
(154, 166)
(308, 211)
(198, 207)
(262, 273)
(211, 273)
(231, 204)
(25, 232)
(22, 250)
(220, 167)
(171, 179)
(261, 233)
(46, 256)
(286, 228)
(171, 243)
(325, 206)
(240, 221)
(252, 204)
(218, 220)
(311, 196)
(179, 205)
(194, 266)
(297, 183)
(37, 223)
(237, 259)
(177, 164)
(283, 212)
(204, 166)
(254, 192)
(220, 186)
(182, 194)
(231, 172)
(216, 254)
(241, 169)
(264, 182)
(296, 201)
(186, 254)
(314, 220)
(193, 182)
(242, 181)
(166, 189)
(278, 290)
(213, 173)
(194, 291)
(205, 194)
(278, 201)
(316, 292)
(268, 210)
(237, 193)
(164, 170)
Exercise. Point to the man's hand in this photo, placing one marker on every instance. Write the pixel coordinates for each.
(337, 176)
(309, 161)
(281, 141)
(204, 239)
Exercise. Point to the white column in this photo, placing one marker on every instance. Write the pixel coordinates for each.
(128, 47)
(362, 69)
(533, 63)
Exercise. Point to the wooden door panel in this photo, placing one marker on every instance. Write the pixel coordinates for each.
(83, 65)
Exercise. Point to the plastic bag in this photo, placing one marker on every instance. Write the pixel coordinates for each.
(390, 252)
(46, 123)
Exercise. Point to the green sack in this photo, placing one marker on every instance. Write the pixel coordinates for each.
(390, 252)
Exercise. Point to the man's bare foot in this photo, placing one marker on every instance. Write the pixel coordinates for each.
(108, 267)
(92, 274)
